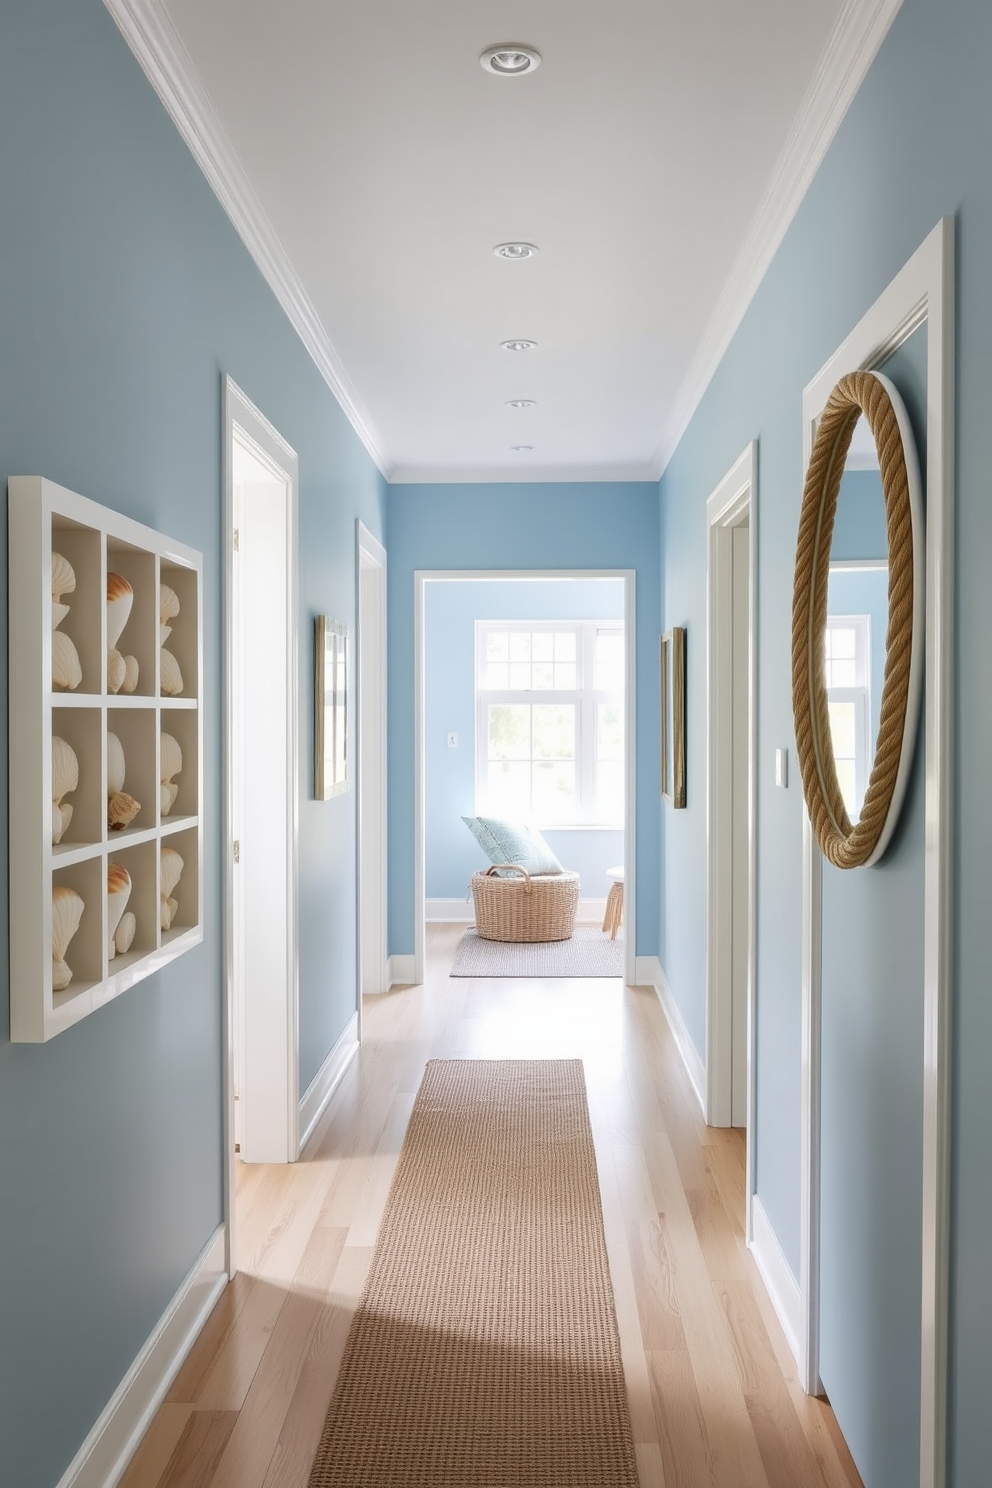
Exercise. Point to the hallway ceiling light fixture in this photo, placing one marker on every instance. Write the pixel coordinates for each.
(521, 402)
(519, 345)
(510, 59)
(516, 252)
(522, 449)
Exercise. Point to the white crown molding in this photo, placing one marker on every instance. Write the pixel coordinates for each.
(149, 32)
(854, 42)
(446, 475)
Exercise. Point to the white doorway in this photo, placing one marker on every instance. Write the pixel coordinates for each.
(731, 513)
(261, 752)
(371, 566)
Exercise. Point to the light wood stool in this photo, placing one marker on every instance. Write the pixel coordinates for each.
(613, 918)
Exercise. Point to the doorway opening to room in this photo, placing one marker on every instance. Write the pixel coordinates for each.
(525, 715)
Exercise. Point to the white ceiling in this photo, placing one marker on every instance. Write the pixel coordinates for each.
(655, 158)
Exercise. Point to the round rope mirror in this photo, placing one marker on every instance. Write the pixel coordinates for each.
(847, 844)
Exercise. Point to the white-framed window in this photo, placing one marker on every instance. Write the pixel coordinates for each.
(848, 679)
(550, 721)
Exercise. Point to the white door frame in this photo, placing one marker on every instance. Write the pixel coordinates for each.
(370, 713)
(733, 502)
(921, 293)
(421, 578)
(257, 434)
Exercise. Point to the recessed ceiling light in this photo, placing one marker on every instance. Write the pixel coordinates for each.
(522, 449)
(518, 345)
(510, 59)
(521, 402)
(516, 251)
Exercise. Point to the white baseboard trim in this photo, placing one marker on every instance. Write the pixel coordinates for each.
(402, 971)
(462, 911)
(102, 1459)
(648, 972)
(780, 1284)
(327, 1079)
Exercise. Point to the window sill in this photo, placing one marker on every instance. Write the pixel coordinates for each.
(581, 827)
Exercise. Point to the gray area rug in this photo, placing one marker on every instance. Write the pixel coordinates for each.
(589, 953)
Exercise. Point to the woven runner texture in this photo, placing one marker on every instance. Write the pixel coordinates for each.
(589, 953)
(484, 1352)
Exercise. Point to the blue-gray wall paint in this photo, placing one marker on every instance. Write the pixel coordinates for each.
(450, 612)
(125, 294)
(556, 526)
(913, 147)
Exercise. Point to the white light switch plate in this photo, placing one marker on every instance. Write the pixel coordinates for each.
(452, 740)
(782, 768)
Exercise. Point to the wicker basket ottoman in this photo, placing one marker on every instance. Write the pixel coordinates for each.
(528, 908)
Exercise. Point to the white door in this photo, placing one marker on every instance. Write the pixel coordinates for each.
(741, 854)
(371, 764)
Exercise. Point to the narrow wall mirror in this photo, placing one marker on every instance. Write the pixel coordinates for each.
(857, 624)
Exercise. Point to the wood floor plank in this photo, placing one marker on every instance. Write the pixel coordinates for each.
(199, 1449)
(157, 1446)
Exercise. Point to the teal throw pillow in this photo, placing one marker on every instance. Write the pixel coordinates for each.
(513, 842)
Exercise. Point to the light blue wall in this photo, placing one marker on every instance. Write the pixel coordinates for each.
(583, 526)
(450, 613)
(859, 526)
(913, 147)
(865, 592)
(124, 295)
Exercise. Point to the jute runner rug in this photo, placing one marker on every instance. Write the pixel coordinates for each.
(484, 1352)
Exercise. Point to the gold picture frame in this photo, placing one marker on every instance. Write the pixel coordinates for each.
(673, 650)
(330, 709)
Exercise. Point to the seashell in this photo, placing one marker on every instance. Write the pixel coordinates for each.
(67, 911)
(130, 674)
(59, 612)
(66, 671)
(124, 934)
(65, 768)
(63, 576)
(168, 603)
(118, 893)
(172, 868)
(171, 758)
(164, 632)
(172, 677)
(115, 764)
(57, 827)
(168, 791)
(116, 671)
(65, 811)
(121, 811)
(120, 598)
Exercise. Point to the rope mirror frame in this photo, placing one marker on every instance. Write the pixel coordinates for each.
(863, 843)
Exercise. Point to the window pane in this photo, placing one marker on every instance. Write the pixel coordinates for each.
(508, 792)
(543, 645)
(519, 676)
(554, 731)
(509, 731)
(842, 731)
(497, 646)
(609, 662)
(841, 674)
(544, 675)
(498, 676)
(841, 641)
(554, 792)
(565, 677)
(609, 731)
(609, 793)
(845, 779)
(564, 645)
(519, 645)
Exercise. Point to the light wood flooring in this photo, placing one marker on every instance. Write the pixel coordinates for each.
(714, 1396)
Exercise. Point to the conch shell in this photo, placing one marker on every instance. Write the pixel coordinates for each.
(130, 674)
(171, 764)
(116, 671)
(121, 808)
(172, 677)
(120, 598)
(65, 778)
(172, 868)
(63, 576)
(124, 933)
(118, 893)
(67, 911)
(66, 671)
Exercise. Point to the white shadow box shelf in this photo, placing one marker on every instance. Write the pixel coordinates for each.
(62, 688)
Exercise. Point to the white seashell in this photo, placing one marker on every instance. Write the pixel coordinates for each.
(172, 870)
(66, 671)
(120, 598)
(164, 632)
(172, 677)
(67, 911)
(118, 893)
(65, 811)
(130, 674)
(115, 764)
(168, 603)
(116, 671)
(171, 758)
(57, 827)
(63, 576)
(125, 933)
(168, 791)
(65, 768)
(59, 612)
(121, 811)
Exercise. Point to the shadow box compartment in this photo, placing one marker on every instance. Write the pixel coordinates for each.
(183, 639)
(82, 730)
(141, 863)
(139, 637)
(187, 891)
(84, 954)
(137, 731)
(84, 624)
(183, 725)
